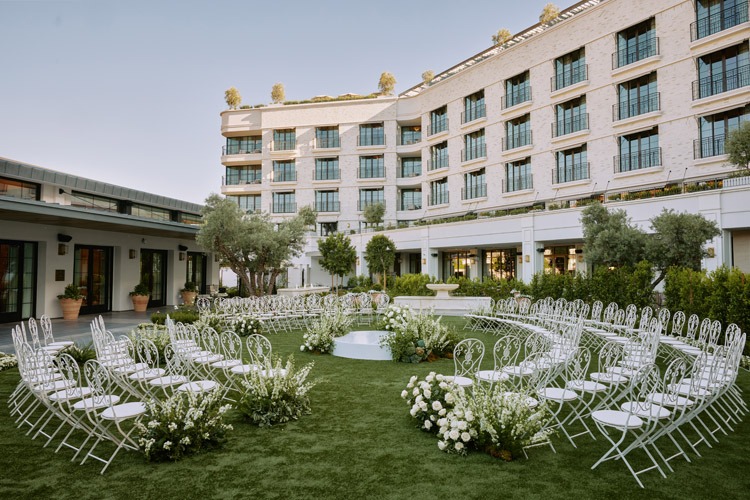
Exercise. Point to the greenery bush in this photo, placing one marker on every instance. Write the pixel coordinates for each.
(157, 334)
(82, 352)
(411, 285)
(497, 289)
(360, 283)
(178, 315)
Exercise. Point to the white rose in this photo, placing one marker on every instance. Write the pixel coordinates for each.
(465, 436)
(469, 416)
(442, 422)
(404, 394)
(449, 398)
(413, 411)
(419, 399)
(441, 445)
(454, 434)
(462, 425)
(415, 392)
(459, 446)
(423, 406)
(427, 393)
(442, 412)
(427, 425)
(437, 406)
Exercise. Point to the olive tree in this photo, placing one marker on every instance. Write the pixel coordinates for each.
(278, 94)
(737, 147)
(232, 97)
(387, 83)
(380, 254)
(502, 36)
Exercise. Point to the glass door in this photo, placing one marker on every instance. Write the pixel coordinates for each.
(154, 274)
(196, 270)
(17, 280)
(92, 273)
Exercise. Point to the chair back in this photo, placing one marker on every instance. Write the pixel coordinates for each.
(467, 357)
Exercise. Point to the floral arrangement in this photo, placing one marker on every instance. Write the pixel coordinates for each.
(7, 361)
(413, 338)
(247, 325)
(211, 320)
(276, 394)
(319, 337)
(396, 318)
(157, 334)
(182, 424)
(430, 399)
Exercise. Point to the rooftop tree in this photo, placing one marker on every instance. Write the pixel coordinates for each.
(232, 97)
(278, 94)
(387, 83)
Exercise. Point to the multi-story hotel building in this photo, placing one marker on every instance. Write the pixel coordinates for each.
(623, 101)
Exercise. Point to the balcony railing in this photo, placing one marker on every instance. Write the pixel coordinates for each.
(708, 147)
(283, 207)
(641, 106)
(412, 205)
(570, 125)
(286, 145)
(371, 173)
(474, 152)
(719, 21)
(404, 172)
(284, 176)
(437, 125)
(235, 149)
(568, 78)
(518, 140)
(327, 143)
(518, 183)
(438, 199)
(515, 98)
(370, 140)
(629, 55)
(570, 173)
(437, 162)
(473, 112)
(234, 180)
(475, 191)
(362, 204)
(409, 138)
(326, 206)
(330, 174)
(730, 79)
(638, 160)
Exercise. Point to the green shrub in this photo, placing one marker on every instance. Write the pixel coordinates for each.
(82, 352)
(411, 285)
(178, 315)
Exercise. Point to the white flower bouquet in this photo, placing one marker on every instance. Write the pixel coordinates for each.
(430, 399)
(7, 361)
(319, 337)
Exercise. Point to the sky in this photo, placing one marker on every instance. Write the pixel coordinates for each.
(129, 91)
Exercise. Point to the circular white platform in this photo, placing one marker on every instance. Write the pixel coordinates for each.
(363, 344)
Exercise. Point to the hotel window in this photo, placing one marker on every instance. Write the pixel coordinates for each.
(93, 202)
(150, 212)
(327, 169)
(500, 264)
(636, 97)
(572, 165)
(244, 175)
(244, 145)
(438, 156)
(473, 107)
(714, 130)
(713, 16)
(284, 140)
(637, 151)
(474, 146)
(327, 137)
(327, 201)
(284, 203)
(371, 134)
(327, 228)
(570, 117)
(722, 71)
(371, 167)
(517, 90)
(411, 199)
(284, 171)
(410, 134)
(636, 43)
(248, 202)
(439, 192)
(518, 176)
(517, 132)
(370, 197)
(438, 120)
(475, 185)
(19, 189)
(570, 69)
(410, 167)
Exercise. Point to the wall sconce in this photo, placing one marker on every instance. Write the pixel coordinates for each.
(182, 248)
(62, 249)
(424, 261)
(357, 260)
(527, 258)
(216, 257)
(433, 255)
(182, 255)
(710, 252)
(131, 253)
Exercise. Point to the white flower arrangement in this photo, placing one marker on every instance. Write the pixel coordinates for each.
(412, 337)
(245, 326)
(430, 399)
(182, 424)
(7, 361)
(319, 337)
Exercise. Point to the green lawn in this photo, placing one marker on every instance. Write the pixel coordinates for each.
(360, 442)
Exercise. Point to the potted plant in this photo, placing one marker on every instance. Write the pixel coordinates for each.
(70, 301)
(140, 296)
(189, 293)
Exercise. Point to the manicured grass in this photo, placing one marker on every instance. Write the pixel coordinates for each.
(360, 442)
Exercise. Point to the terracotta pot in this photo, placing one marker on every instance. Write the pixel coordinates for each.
(71, 308)
(189, 297)
(140, 302)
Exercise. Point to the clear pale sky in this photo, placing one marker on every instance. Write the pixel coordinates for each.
(129, 91)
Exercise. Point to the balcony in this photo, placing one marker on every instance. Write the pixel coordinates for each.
(726, 18)
(412, 205)
(283, 208)
(571, 125)
(570, 173)
(327, 206)
(362, 204)
(476, 191)
(327, 143)
(234, 180)
(404, 173)
(568, 78)
(515, 98)
(708, 147)
(518, 183)
(437, 125)
(371, 173)
(638, 160)
(369, 140)
(438, 199)
(332, 174)
(724, 82)
(518, 140)
(630, 55)
(642, 106)
(437, 162)
(284, 176)
(286, 145)
(474, 153)
(409, 138)
(236, 149)
(474, 112)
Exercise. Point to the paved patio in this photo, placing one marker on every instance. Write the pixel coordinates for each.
(118, 323)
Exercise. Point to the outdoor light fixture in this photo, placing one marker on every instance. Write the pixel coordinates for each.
(131, 253)
(540, 250)
(182, 248)
(62, 249)
(64, 238)
(434, 254)
(182, 255)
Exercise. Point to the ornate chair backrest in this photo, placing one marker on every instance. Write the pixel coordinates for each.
(467, 357)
